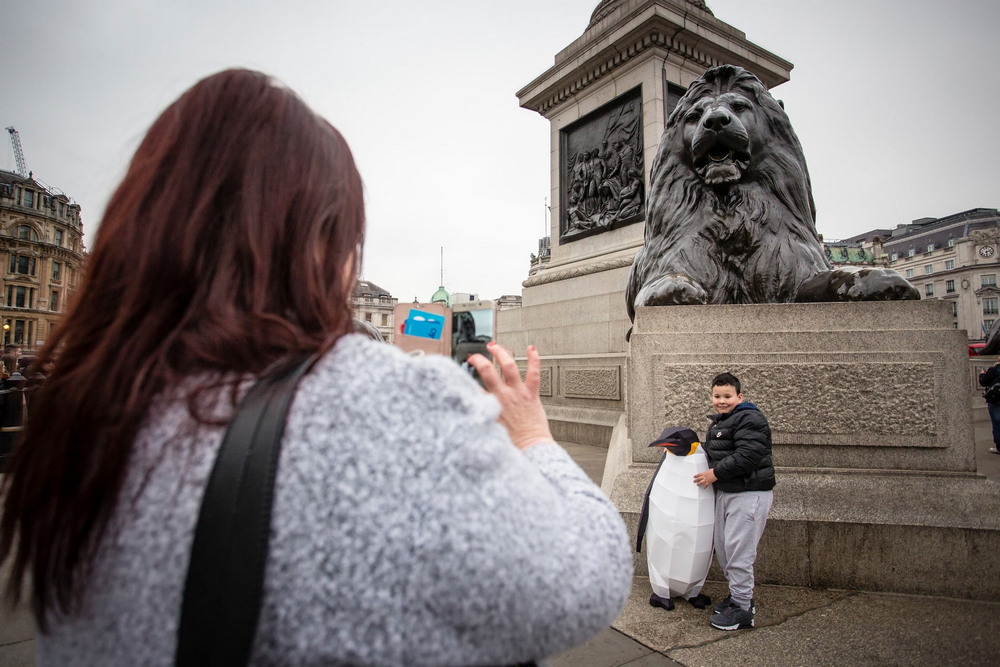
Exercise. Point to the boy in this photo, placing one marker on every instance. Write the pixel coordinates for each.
(738, 446)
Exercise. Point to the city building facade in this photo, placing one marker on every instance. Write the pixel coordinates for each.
(509, 302)
(955, 258)
(42, 255)
(370, 303)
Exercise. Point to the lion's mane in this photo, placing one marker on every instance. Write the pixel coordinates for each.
(750, 241)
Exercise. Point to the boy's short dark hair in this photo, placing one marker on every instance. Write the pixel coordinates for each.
(727, 379)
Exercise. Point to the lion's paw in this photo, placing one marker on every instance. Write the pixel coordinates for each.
(858, 284)
(673, 289)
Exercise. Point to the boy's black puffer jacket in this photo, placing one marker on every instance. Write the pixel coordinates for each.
(738, 446)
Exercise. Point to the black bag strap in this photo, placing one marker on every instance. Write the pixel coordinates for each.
(225, 578)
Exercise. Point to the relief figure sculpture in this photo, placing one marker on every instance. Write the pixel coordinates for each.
(605, 180)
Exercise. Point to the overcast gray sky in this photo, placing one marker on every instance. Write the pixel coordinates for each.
(895, 102)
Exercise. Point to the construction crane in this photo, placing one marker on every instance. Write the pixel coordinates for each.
(15, 140)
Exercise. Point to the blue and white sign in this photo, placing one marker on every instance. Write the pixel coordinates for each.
(424, 325)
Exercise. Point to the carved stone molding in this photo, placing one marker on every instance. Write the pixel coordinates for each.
(602, 382)
(849, 404)
(652, 39)
(544, 380)
(546, 277)
(608, 7)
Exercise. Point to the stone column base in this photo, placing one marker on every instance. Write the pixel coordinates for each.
(872, 434)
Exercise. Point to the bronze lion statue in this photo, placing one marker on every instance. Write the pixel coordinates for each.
(730, 215)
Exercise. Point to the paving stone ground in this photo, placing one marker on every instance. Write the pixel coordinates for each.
(796, 626)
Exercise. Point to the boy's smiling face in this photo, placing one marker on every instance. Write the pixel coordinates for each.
(725, 398)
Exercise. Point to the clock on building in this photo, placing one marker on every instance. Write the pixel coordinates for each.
(986, 251)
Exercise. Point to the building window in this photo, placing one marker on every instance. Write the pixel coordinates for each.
(949, 264)
(928, 268)
(930, 247)
(28, 199)
(57, 272)
(26, 233)
(368, 317)
(909, 273)
(385, 319)
(54, 301)
(20, 327)
(894, 257)
(951, 243)
(954, 308)
(949, 286)
(911, 252)
(19, 296)
(929, 289)
(990, 306)
(23, 265)
(58, 237)
(989, 280)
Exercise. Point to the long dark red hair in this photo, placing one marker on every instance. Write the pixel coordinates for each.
(232, 242)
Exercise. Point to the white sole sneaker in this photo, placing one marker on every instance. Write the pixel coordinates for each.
(734, 626)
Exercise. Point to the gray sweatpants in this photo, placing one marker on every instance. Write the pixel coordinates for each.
(739, 523)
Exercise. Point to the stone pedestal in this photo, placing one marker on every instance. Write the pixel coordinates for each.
(641, 54)
(872, 433)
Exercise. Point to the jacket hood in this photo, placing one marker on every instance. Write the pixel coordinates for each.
(745, 405)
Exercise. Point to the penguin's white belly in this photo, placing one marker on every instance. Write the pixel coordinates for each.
(679, 530)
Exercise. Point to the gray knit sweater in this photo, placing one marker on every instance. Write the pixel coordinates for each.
(407, 530)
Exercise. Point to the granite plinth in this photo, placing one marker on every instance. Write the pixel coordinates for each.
(873, 438)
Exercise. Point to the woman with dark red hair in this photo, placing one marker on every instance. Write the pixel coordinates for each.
(416, 519)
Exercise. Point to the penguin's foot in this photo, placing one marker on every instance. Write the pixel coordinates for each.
(664, 603)
(700, 601)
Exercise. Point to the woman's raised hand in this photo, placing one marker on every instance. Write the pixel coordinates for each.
(521, 411)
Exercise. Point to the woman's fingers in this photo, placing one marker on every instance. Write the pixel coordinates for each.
(508, 367)
(508, 377)
(521, 411)
(532, 379)
(487, 373)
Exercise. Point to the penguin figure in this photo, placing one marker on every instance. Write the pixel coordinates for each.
(678, 518)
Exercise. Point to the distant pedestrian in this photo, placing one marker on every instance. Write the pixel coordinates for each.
(987, 379)
(738, 446)
(368, 329)
(11, 355)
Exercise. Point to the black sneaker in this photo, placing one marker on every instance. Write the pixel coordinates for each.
(728, 602)
(732, 618)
